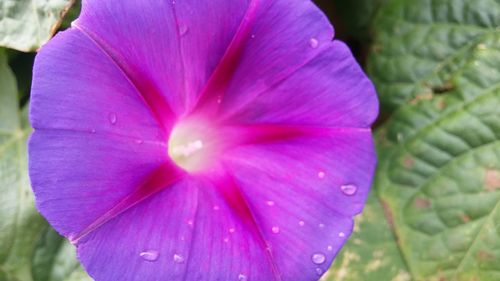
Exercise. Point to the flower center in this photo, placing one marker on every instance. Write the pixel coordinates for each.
(192, 145)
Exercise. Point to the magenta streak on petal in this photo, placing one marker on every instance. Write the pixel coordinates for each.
(148, 92)
(231, 192)
(162, 178)
(213, 93)
(222, 138)
(260, 133)
(278, 81)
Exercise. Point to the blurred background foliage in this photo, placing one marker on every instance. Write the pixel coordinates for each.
(434, 213)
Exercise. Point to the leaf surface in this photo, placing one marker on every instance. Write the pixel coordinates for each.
(419, 44)
(29, 250)
(435, 65)
(371, 253)
(25, 25)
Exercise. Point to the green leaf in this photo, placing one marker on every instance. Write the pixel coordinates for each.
(22, 66)
(72, 14)
(19, 221)
(371, 253)
(418, 44)
(439, 153)
(54, 259)
(22, 229)
(25, 25)
(357, 15)
(9, 117)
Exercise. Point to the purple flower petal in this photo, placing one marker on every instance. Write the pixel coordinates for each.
(168, 48)
(201, 140)
(77, 177)
(273, 41)
(317, 167)
(95, 139)
(271, 220)
(294, 190)
(186, 232)
(77, 87)
(330, 91)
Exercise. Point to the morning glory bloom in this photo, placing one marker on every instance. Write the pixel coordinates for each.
(201, 139)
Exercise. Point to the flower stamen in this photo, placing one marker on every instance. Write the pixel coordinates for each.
(192, 144)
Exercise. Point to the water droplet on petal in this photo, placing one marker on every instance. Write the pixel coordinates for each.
(314, 43)
(232, 230)
(183, 29)
(178, 258)
(190, 222)
(253, 36)
(216, 208)
(302, 223)
(321, 225)
(319, 271)
(270, 203)
(275, 229)
(226, 240)
(341, 234)
(318, 258)
(150, 255)
(112, 118)
(92, 131)
(349, 189)
(329, 248)
(242, 277)
(321, 174)
(139, 141)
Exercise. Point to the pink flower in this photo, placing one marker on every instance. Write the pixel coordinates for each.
(201, 139)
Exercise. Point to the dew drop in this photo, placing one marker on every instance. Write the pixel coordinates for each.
(314, 43)
(216, 208)
(232, 230)
(112, 118)
(319, 271)
(226, 240)
(139, 141)
(329, 248)
(178, 258)
(302, 223)
(341, 234)
(253, 36)
(321, 225)
(318, 258)
(183, 29)
(275, 229)
(242, 277)
(150, 255)
(93, 131)
(270, 203)
(321, 174)
(349, 189)
(190, 222)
